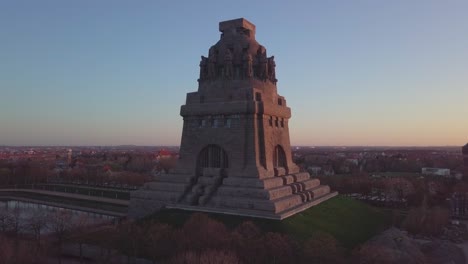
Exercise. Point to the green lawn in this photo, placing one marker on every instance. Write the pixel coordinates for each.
(351, 222)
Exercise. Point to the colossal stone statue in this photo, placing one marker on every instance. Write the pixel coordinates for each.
(271, 69)
(247, 61)
(212, 64)
(262, 64)
(203, 68)
(228, 70)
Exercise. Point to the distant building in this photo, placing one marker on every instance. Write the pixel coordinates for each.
(164, 154)
(459, 200)
(353, 161)
(61, 164)
(314, 170)
(436, 172)
(69, 156)
(459, 205)
(328, 170)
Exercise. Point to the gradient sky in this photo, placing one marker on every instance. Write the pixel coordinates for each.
(116, 72)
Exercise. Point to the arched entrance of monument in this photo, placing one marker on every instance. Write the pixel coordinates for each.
(279, 161)
(211, 164)
(211, 156)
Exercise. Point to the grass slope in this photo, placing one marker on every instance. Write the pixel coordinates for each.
(351, 222)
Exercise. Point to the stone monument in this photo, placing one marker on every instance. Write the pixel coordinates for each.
(235, 154)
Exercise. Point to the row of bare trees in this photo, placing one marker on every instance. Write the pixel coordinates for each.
(413, 189)
(199, 240)
(29, 171)
(204, 240)
(25, 171)
(34, 237)
(401, 162)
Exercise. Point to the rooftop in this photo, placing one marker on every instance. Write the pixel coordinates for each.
(235, 24)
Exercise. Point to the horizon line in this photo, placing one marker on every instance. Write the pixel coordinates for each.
(292, 145)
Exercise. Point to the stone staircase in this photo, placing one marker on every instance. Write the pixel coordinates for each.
(201, 191)
(274, 198)
(278, 195)
(166, 189)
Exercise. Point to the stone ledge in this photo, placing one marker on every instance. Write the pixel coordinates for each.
(305, 206)
(301, 176)
(141, 207)
(242, 203)
(242, 192)
(270, 194)
(253, 213)
(266, 183)
(155, 195)
(165, 186)
(174, 178)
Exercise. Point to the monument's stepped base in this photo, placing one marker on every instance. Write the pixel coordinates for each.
(272, 198)
(254, 213)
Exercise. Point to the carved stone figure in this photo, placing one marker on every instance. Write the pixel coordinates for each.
(212, 64)
(247, 61)
(262, 64)
(228, 69)
(203, 68)
(271, 69)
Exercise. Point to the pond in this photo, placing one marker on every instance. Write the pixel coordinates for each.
(26, 214)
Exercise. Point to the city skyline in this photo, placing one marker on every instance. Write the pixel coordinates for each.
(115, 73)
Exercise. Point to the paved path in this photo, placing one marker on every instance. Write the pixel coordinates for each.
(71, 195)
(68, 206)
(82, 186)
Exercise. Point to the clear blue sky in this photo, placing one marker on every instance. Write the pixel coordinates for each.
(116, 72)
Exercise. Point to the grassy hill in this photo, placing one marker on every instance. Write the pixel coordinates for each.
(351, 222)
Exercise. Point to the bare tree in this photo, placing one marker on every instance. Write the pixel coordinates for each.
(19, 251)
(36, 223)
(129, 239)
(60, 224)
(5, 219)
(160, 242)
(15, 224)
(79, 234)
(6, 250)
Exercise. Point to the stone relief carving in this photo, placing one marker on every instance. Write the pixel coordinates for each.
(240, 64)
(228, 68)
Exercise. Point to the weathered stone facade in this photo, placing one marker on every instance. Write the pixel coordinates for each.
(235, 154)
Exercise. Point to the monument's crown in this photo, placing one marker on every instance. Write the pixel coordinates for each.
(236, 25)
(237, 56)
